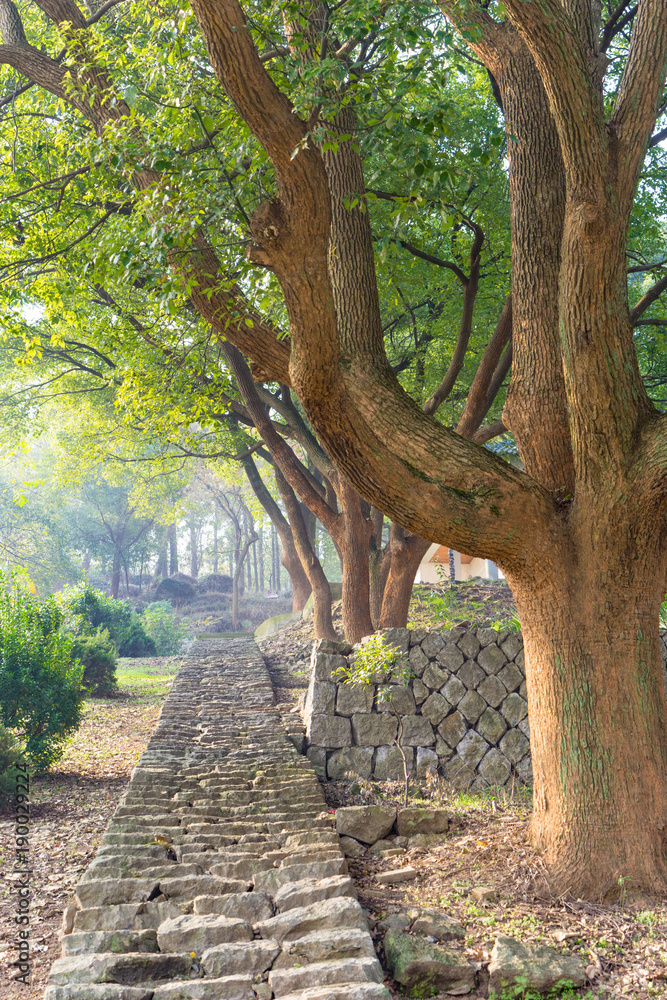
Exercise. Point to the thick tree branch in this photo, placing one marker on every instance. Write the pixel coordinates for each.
(640, 92)
(648, 299)
(489, 432)
(298, 479)
(475, 22)
(465, 329)
(568, 77)
(356, 406)
(476, 406)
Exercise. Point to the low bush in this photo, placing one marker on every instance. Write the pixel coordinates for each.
(40, 680)
(86, 610)
(165, 630)
(134, 641)
(98, 655)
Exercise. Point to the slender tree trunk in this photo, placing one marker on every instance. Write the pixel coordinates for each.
(215, 541)
(85, 562)
(115, 570)
(172, 540)
(194, 562)
(261, 559)
(352, 542)
(254, 566)
(240, 569)
(141, 571)
(322, 622)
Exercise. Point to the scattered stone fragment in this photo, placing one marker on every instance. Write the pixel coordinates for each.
(352, 848)
(482, 893)
(412, 820)
(398, 875)
(365, 823)
(425, 968)
(435, 923)
(534, 967)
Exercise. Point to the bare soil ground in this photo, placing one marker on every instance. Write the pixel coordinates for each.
(70, 808)
(623, 946)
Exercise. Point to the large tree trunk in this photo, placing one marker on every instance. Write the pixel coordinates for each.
(597, 706)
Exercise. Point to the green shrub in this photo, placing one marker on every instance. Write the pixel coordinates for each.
(133, 640)
(164, 628)
(87, 610)
(98, 655)
(40, 682)
(10, 756)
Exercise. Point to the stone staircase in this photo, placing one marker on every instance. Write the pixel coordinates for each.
(220, 876)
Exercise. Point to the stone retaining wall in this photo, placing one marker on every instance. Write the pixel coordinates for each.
(219, 876)
(463, 714)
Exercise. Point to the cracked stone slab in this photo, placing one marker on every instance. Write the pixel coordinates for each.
(253, 958)
(325, 915)
(198, 932)
(227, 988)
(346, 970)
(310, 891)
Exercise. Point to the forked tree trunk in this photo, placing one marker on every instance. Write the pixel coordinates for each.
(580, 535)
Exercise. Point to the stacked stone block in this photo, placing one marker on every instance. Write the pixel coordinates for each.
(464, 713)
(219, 876)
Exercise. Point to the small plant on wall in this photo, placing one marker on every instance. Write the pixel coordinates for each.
(377, 662)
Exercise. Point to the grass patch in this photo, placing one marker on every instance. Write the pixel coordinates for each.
(146, 679)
